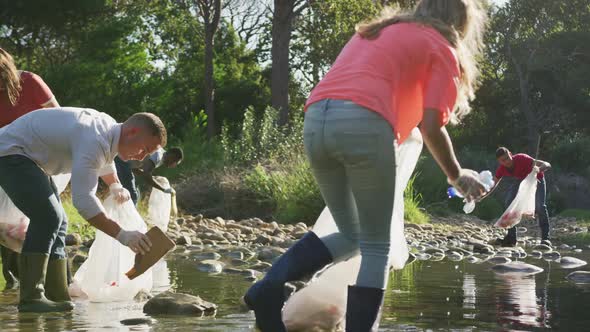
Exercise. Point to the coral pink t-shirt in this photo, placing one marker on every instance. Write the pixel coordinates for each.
(406, 69)
(34, 93)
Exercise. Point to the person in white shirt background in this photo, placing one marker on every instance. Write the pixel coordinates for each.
(83, 142)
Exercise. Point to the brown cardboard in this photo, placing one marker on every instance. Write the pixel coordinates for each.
(161, 245)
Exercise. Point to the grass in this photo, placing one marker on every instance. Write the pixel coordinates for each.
(582, 216)
(2, 281)
(412, 201)
(77, 224)
(579, 240)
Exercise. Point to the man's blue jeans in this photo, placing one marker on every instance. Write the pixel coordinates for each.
(35, 194)
(125, 175)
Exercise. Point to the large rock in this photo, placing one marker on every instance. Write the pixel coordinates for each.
(571, 262)
(168, 303)
(73, 239)
(582, 277)
(210, 266)
(184, 240)
(269, 254)
(517, 268)
(207, 255)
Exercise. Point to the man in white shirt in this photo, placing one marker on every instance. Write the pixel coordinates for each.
(82, 142)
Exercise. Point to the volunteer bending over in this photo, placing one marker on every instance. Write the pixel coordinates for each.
(397, 72)
(82, 142)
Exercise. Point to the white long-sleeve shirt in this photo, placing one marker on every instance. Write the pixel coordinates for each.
(73, 140)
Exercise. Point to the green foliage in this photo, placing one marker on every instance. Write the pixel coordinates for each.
(200, 154)
(571, 154)
(489, 209)
(579, 239)
(76, 224)
(582, 216)
(322, 33)
(412, 201)
(290, 187)
(261, 139)
(430, 181)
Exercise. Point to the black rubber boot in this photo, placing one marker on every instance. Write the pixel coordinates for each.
(267, 296)
(362, 308)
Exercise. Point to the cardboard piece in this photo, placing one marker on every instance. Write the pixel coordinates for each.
(161, 245)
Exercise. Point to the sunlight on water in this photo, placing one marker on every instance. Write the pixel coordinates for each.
(424, 296)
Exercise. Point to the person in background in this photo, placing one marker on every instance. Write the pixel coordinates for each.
(519, 166)
(397, 72)
(84, 143)
(21, 92)
(127, 171)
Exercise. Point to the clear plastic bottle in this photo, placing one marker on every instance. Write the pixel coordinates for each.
(488, 181)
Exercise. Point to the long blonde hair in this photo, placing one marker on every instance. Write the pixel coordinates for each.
(461, 22)
(9, 77)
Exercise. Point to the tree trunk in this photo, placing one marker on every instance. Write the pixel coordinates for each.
(525, 108)
(281, 37)
(211, 11)
(209, 83)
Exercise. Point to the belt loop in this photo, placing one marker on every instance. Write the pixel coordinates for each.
(326, 104)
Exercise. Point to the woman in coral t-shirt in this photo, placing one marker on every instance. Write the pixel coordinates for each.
(397, 72)
(21, 92)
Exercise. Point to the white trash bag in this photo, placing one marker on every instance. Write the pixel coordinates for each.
(101, 278)
(159, 205)
(14, 223)
(322, 304)
(523, 204)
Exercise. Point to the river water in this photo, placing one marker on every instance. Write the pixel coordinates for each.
(425, 296)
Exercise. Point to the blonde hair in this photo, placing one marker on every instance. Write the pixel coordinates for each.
(151, 123)
(9, 77)
(461, 22)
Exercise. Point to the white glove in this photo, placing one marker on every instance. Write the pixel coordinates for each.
(536, 169)
(120, 194)
(138, 242)
(468, 184)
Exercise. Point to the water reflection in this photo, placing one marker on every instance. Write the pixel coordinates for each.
(517, 305)
(425, 296)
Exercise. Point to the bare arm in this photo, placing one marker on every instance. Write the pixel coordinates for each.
(106, 225)
(439, 144)
(148, 178)
(51, 103)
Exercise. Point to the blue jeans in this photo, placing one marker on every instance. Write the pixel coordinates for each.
(351, 154)
(541, 212)
(35, 194)
(125, 175)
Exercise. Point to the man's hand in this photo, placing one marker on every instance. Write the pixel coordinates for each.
(138, 242)
(468, 184)
(120, 194)
(170, 191)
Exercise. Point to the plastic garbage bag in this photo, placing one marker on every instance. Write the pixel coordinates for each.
(101, 278)
(14, 223)
(322, 304)
(161, 275)
(523, 204)
(488, 181)
(159, 205)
